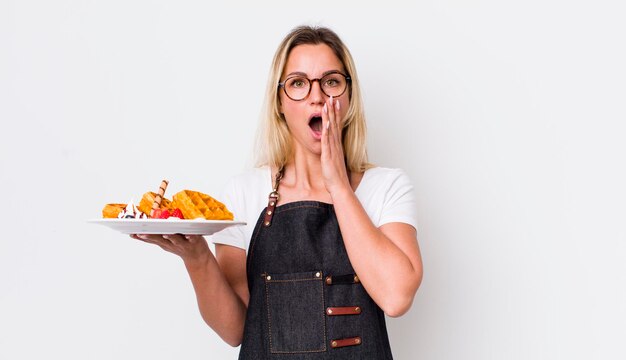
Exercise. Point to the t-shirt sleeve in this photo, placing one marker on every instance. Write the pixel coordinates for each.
(400, 203)
(232, 197)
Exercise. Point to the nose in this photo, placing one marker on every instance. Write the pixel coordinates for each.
(316, 96)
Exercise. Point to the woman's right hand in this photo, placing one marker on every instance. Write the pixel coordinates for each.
(192, 249)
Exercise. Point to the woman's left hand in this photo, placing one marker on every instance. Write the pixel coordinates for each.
(191, 248)
(333, 161)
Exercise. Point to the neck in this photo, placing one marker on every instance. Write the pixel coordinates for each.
(304, 172)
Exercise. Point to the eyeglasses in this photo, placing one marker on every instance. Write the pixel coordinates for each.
(298, 87)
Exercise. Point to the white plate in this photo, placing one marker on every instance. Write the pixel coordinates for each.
(166, 226)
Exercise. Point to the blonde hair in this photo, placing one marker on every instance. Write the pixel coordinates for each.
(274, 139)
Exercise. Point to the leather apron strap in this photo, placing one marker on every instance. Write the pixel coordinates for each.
(273, 198)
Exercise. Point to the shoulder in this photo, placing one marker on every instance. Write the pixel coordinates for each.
(383, 177)
(387, 195)
(245, 195)
(254, 176)
(247, 191)
(249, 182)
(379, 184)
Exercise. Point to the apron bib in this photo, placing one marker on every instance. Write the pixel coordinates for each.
(306, 302)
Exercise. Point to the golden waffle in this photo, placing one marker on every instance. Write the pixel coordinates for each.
(145, 205)
(194, 204)
(112, 210)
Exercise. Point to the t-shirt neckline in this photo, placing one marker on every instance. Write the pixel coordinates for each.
(271, 181)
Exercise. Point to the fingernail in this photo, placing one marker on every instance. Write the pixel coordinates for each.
(337, 105)
(325, 108)
(328, 125)
(331, 100)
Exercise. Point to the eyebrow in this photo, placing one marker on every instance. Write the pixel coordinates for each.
(300, 73)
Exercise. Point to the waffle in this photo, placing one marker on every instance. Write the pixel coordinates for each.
(112, 210)
(194, 204)
(145, 205)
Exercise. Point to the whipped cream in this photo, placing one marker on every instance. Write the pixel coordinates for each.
(131, 212)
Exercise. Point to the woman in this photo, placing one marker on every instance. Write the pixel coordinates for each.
(334, 247)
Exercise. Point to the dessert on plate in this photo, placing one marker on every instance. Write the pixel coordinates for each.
(186, 204)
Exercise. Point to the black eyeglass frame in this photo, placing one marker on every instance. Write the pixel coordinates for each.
(311, 81)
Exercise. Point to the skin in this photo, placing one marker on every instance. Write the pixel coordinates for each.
(386, 258)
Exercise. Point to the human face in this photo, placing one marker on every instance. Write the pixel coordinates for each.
(304, 117)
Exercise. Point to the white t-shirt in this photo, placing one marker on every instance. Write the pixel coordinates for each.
(386, 195)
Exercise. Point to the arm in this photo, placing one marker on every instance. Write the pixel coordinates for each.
(219, 282)
(222, 295)
(387, 259)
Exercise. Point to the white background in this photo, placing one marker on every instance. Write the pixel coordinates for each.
(508, 116)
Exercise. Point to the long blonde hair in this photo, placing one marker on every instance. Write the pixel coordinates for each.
(274, 139)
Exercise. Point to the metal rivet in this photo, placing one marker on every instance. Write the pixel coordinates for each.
(333, 344)
(269, 212)
(329, 280)
(357, 309)
(317, 274)
(329, 311)
(267, 223)
(356, 279)
(357, 340)
(268, 278)
(272, 203)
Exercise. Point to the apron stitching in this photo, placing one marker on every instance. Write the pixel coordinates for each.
(323, 307)
(294, 280)
(298, 207)
(269, 322)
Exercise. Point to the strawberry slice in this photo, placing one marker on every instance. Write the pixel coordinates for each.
(156, 214)
(177, 213)
(165, 214)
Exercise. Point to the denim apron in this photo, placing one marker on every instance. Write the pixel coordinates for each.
(306, 302)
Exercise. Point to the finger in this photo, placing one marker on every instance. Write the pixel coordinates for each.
(149, 237)
(141, 238)
(175, 239)
(194, 239)
(338, 122)
(335, 125)
(157, 240)
(145, 238)
(325, 117)
(325, 132)
(154, 239)
(331, 111)
(333, 120)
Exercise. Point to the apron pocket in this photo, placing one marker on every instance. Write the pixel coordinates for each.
(295, 312)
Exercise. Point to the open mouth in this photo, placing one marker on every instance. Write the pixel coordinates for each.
(316, 123)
